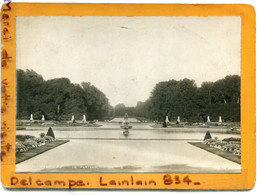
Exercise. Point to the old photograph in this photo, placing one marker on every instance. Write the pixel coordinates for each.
(118, 94)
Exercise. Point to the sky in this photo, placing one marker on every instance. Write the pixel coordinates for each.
(125, 57)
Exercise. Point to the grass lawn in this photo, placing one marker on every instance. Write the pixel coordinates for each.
(22, 156)
(224, 154)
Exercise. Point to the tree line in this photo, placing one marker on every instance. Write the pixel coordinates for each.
(183, 98)
(59, 99)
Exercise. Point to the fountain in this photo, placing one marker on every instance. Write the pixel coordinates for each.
(125, 125)
(43, 119)
(208, 120)
(31, 118)
(72, 118)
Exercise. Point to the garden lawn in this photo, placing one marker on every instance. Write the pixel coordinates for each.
(22, 156)
(224, 154)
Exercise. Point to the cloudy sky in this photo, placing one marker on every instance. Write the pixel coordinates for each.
(125, 57)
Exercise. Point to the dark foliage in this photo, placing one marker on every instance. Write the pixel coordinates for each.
(50, 133)
(207, 136)
(183, 98)
(59, 99)
(22, 138)
(164, 124)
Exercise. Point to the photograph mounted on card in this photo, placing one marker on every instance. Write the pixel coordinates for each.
(128, 96)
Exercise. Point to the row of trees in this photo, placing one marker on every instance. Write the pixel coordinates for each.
(183, 98)
(59, 99)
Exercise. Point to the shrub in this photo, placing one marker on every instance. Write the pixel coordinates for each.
(164, 124)
(48, 139)
(50, 133)
(232, 139)
(207, 136)
(22, 138)
(42, 135)
(19, 147)
(30, 143)
(209, 141)
(40, 140)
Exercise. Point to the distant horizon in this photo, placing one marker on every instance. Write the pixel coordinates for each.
(124, 57)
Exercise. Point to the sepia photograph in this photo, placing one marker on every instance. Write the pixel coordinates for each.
(119, 94)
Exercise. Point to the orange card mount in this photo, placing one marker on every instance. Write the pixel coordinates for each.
(128, 96)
